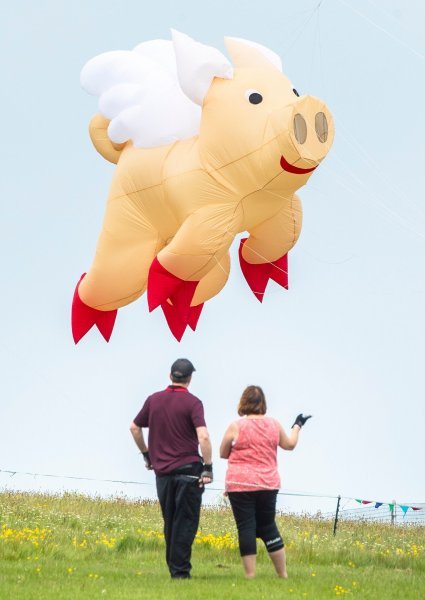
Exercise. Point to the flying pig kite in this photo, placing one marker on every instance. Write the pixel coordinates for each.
(204, 151)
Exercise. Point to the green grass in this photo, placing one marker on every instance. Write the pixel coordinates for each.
(71, 547)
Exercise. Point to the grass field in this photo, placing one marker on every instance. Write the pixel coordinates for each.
(71, 546)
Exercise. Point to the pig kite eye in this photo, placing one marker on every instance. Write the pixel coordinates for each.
(253, 96)
(295, 92)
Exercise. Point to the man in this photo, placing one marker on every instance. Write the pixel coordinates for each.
(176, 423)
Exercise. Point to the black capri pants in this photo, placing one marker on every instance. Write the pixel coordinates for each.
(255, 514)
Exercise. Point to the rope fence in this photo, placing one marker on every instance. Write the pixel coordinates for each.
(342, 508)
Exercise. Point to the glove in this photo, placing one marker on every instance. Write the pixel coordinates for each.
(207, 472)
(301, 420)
(147, 460)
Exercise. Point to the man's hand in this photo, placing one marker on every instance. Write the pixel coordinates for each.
(301, 420)
(206, 475)
(147, 460)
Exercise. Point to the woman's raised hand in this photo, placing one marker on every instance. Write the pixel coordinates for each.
(301, 420)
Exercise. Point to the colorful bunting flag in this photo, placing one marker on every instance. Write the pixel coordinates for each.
(404, 507)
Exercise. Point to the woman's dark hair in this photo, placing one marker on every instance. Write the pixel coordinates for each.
(252, 402)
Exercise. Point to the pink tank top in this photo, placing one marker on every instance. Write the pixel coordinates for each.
(252, 463)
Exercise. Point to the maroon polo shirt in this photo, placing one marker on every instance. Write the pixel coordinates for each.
(172, 417)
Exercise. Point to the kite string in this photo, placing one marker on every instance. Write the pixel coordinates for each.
(315, 43)
(369, 193)
(361, 149)
(382, 29)
(265, 261)
(404, 222)
(353, 142)
(301, 28)
(300, 12)
(356, 145)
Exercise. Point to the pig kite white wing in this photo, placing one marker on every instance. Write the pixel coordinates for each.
(151, 98)
(153, 94)
(139, 93)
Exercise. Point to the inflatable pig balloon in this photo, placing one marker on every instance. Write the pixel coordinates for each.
(204, 151)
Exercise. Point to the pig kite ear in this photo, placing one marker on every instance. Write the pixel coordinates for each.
(197, 65)
(245, 53)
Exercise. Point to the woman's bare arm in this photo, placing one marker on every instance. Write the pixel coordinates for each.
(228, 438)
(288, 442)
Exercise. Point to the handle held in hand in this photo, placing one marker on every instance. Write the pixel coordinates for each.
(207, 472)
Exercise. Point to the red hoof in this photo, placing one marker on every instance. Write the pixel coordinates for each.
(163, 285)
(257, 276)
(84, 317)
(175, 320)
(279, 272)
(174, 295)
(176, 324)
(194, 314)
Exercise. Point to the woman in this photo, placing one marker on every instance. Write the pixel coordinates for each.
(252, 478)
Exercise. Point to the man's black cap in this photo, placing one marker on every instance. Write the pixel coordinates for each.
(182, 368)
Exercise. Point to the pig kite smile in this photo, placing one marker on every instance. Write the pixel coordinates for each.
(292, 168)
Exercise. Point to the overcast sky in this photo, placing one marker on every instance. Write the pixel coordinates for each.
(345, 343)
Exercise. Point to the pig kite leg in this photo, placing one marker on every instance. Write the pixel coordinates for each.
(264, 255)
(195, 254)
(210, 285)
(119, 271)
(213, 282)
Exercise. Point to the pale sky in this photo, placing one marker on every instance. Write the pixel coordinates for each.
(345, 343)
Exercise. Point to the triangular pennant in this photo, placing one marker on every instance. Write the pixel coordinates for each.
(359, 501)
(404, 508)
(378, 504)
(366, 501)
(416, 507)
(391, 507)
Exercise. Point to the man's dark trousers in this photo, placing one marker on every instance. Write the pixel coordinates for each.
(180, 498)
